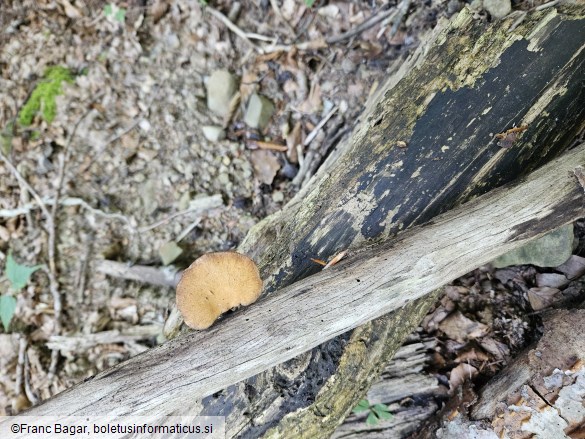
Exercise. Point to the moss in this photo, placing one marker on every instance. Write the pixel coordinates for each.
(43, 96)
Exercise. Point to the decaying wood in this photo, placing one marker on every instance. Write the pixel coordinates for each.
(470, 82)
(411, 394)
(540, 394)
(366, 285)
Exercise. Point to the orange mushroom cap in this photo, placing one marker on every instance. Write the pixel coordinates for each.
(215, 283)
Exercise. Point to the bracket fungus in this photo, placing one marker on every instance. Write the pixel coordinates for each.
(215, 283)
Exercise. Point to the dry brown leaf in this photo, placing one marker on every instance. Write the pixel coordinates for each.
(70, 10)
(543, 297)
(313, 102)
(472, 355)
(553, 280)
(158, 9)
(460, 328)
(265, 165)
(573, 268)
(460, 374)
(499, 350)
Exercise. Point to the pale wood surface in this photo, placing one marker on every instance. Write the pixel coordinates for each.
(368, 284)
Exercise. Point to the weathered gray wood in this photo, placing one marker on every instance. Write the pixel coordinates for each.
(403, 379)
(370, 283)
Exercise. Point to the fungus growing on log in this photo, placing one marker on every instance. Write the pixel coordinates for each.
(215, 283)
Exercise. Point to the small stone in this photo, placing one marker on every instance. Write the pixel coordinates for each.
(278, 197)
(259, 111)
(144, 125)
(549, 250)
(169, 252)
(476, 5)
(226, 160)
(498, 8)
(139, 178)
(453, 7)
(223, 179)
(347, 65)
(213, 133)
(221, 87)
(184, 201)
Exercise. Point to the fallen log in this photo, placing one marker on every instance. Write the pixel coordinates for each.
(370, 283)
(425, 145)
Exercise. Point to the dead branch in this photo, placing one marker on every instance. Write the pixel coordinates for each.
(370, 283)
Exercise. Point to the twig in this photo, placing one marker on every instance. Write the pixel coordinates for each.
(19, 382)
(546, 5)
(188, 230)
(69, 201)
(28, 390)
(28, 187)
(320, 125)
(54, 286)
(165, 277)
(198, 205)
(231, 26)
(368, 23)
(81, 343)
(402, 9)
(278, 12)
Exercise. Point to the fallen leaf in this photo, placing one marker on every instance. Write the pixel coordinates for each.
(265, 165)
(292, 140)
(573, 268)
(460, 328)
(158, 9)
(472, 355)
(499, 350)
(541, 298)
(460, 374)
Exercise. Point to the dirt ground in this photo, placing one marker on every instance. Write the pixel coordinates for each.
(126, 158)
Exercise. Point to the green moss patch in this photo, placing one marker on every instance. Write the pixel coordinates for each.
(43, 96)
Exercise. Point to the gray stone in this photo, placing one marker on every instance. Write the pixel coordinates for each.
(550, 250)
(221, 87)
(259, 111)
(169, 252)
(213, 133)
(498, 8)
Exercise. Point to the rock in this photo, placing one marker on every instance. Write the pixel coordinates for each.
(476, 5)
(498, 8)
(259, 111)
(278, 197)
(550, 250)
(213, 133)
(169, 252)
(221, 87)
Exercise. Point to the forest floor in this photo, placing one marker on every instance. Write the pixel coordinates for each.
(123, 170)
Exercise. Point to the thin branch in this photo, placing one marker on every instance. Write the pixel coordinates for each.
(320, 125)
(278, 12)
(69, 201)
(367, 24)
(24, 183)
(231, 26)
